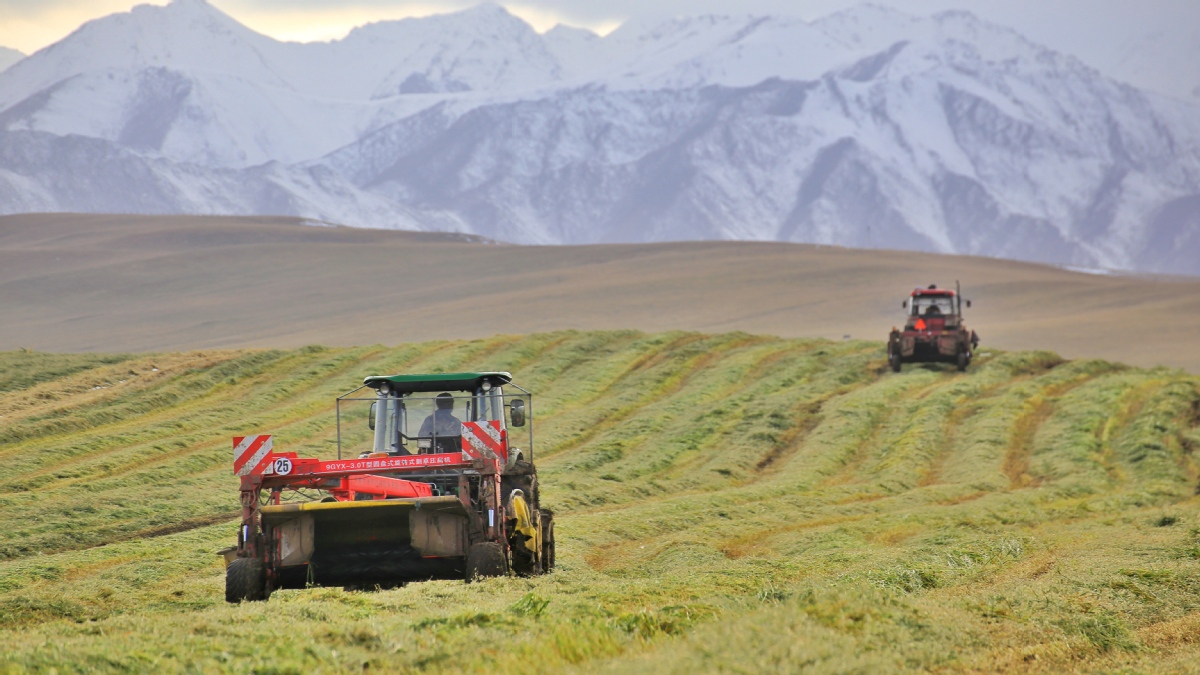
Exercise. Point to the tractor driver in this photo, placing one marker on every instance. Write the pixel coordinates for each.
(933, 310)
(442, 426)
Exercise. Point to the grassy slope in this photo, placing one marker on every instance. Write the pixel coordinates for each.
(726, 502)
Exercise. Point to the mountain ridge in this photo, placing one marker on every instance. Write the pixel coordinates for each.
(868, 127)
(9, 56)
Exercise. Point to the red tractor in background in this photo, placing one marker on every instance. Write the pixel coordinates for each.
(934, 330)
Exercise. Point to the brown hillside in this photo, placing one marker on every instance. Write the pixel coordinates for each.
(141, 283)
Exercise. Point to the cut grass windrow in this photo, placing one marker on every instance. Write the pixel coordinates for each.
(725, 503)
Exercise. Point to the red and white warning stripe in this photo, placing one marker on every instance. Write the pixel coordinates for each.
(485, 439)
(251, 454)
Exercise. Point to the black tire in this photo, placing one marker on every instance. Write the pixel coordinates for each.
(486, 560)
(523, 562)
(963, 360)
(547, 543)
(245, 580)
(894, 361)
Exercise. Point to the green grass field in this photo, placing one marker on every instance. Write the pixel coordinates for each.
(725, 503)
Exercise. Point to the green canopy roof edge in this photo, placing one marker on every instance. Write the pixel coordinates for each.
(437, 381)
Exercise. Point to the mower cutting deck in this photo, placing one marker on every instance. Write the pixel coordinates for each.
(450, 498)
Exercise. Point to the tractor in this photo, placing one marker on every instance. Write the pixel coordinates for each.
(434, 479)
(933, 331)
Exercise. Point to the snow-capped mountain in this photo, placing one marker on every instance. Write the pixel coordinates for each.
(867, 128)
(191, 84)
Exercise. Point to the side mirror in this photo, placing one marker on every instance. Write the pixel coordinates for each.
(517, 413)
(968, 303)
(371, 416)
(904, 304)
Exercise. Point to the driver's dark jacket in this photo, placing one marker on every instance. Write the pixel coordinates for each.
(442, 424)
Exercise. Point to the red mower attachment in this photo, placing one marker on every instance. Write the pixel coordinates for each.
(448, 498)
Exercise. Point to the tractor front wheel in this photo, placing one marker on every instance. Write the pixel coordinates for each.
(963, 360)
(894, 360)
(486, 560)
(245, 579)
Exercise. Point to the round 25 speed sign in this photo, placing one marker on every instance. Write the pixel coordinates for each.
(282, 466)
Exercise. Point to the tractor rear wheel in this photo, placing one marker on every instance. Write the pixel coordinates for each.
(245, 579)
(547, 542)
(486, 560)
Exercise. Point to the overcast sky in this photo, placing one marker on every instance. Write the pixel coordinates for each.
(1102, 32)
